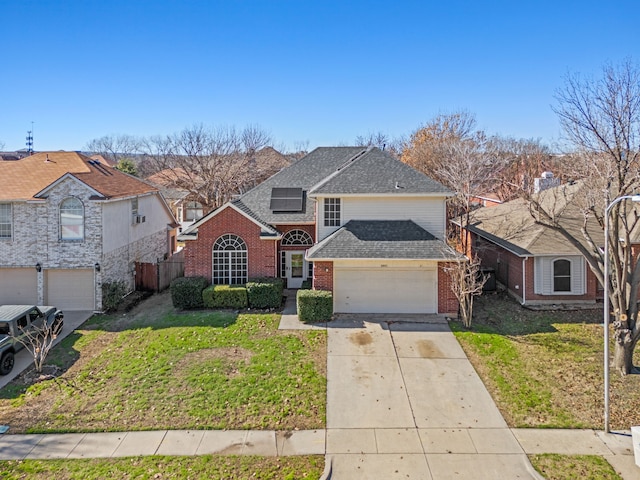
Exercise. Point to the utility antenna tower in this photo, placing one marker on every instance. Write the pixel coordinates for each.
(30, 140)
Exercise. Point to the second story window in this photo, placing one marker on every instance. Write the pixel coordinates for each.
(5, 221)
(331, 212)
(192, 212)
(134, 206)
(71, 219)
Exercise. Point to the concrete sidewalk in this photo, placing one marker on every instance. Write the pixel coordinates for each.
(162, 442)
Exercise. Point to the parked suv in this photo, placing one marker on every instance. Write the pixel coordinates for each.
(17, 319)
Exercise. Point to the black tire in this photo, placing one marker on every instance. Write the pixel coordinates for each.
(6, 364)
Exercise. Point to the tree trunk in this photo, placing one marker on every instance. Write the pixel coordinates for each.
(623, 351)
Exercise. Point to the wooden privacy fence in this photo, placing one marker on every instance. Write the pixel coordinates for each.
(156, 277)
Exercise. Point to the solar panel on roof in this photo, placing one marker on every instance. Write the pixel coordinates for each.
(286, 200)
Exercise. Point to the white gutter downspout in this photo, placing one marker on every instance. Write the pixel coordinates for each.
(524, 280)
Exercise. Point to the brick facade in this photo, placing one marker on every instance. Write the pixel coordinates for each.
(261, 254)
(509, 271)
(323, 276)
(447, 301)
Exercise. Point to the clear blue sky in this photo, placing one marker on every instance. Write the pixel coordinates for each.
(322, 71)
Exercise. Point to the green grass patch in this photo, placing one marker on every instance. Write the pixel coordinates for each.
(200, 370)
(545, 368)
(570, 467)
(175, 468)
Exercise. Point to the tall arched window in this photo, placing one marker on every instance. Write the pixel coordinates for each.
(562, 276)
(297, 237)
(229, 260)
(71, 219)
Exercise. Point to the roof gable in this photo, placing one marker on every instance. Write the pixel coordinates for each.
(30, 176)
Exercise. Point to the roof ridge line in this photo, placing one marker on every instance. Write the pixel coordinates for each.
(346, 164)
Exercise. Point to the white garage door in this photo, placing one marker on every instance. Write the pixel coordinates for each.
(385, 290)
(70, 289)
(18, 286)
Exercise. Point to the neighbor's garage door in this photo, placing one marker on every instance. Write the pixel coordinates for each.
(70, 289)
(18, 286)
(385, 290)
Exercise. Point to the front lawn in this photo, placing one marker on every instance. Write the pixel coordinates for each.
(570, 467)
(161, 369)
(545, 368)
(174, 468)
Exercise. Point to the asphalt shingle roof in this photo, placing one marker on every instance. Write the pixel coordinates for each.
(378, 172)
(390, 239)
(512, 226)
(305, 173)
(25, 178)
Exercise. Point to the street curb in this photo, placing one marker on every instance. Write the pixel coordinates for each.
(326, 474)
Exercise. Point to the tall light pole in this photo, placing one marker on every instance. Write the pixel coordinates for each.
(607, 211)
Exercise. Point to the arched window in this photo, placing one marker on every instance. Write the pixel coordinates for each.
(297, 237)
(562, 276)
(71, 219)
(229, 260)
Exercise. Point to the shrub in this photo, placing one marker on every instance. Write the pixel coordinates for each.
(225, 296)
(186, 292)
(112, 295)
(265, 292)
(306, 285)
(314, 305)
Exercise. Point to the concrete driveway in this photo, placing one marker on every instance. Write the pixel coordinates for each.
(72, 320)
(403, 401)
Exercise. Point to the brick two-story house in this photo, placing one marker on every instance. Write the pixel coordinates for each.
(68, 224)
(354, 220)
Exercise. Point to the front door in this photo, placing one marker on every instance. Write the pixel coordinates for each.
(296, 272)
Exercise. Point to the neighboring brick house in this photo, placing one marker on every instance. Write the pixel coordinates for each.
(354, 220)
(535, 263)
(68, 224)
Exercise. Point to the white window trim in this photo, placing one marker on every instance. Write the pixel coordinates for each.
(543, 275)
(10, 237)
(61, 237)
(335, 222)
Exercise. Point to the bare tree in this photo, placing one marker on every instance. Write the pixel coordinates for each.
(601, 120)
(520, 161)
(38, 341)
(211, 164)
(115, 147)
(450, 150)
(1, 145)
(467, 281)
(426, 149)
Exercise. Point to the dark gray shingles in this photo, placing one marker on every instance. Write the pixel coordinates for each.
(305, 173)
(379, 173)
(390, 239)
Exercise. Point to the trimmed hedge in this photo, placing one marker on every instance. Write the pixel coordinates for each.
(225, 296)
(186, 292)
(265, 292)
(314, 305)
